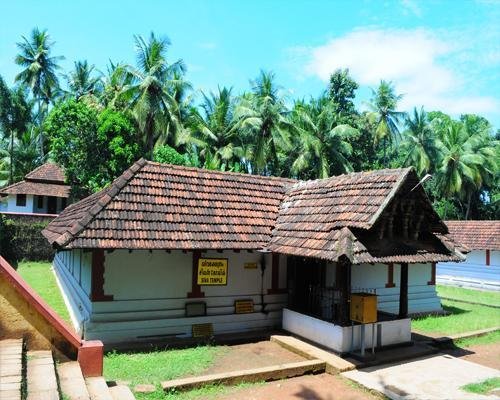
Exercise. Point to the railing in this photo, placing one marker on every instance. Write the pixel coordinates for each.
(322, 302)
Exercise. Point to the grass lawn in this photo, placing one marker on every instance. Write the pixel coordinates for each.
(482, 387)
(490, 338)
(475, 296)
(157, 366)
(40, 277)
(463, 317)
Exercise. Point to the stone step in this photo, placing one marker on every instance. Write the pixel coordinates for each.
(334, 363)
(71, 381)
(271, 373)
(121, 392)
(98, 389)
(41, 376)
(11, 351)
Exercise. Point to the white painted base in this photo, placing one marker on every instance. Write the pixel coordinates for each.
(339, 338)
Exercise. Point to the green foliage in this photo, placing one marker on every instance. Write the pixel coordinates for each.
(167, 155)
(483, 387)
(93, 147)
(341, 92)
(21, 239)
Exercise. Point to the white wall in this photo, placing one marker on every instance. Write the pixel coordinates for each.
(73, 272)
(422, 297)
(12, 207)
(150, 290)
(339, 338)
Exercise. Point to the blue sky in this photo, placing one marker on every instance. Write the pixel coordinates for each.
(440, 54)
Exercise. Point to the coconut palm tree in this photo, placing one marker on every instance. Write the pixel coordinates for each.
(114, 82)
(81, 81)
(40, 68)
(323, 146)
(383, 109)
(420, 143)
(39, 73)
(217, 128)
(262, 117)
(153, 92)
(468, 160)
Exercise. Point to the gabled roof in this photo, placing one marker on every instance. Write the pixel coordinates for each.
(476, 235)
(158, 206)
(45, 180)
(48, 172)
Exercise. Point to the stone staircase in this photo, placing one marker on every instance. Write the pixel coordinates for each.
(34, 375)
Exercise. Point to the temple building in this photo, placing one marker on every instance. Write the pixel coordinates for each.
(169, 252)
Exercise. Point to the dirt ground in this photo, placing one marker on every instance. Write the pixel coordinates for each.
(251, 355)
(484, 354)
(307, 387)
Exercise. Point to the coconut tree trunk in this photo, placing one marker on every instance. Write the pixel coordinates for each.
(11, 155)
(469, 200)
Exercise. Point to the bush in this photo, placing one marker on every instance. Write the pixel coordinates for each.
(21, 239)
(168, 155)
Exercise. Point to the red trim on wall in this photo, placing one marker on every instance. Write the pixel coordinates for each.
(433, 274)
(390, 276)
(488, 257)
(275, 276)
(97, 281)
(195, 288)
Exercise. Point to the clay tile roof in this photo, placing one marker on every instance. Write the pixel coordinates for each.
(48, 172)
(46, 180)
(476, 235)
(161, 206)
(158, 206)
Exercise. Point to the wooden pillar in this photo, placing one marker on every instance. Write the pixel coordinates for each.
(433, 274)
(195, 288)
(403, 291)
(97, 277)
(487, 257)
(344, 268)
(275, 276)
(390, 276)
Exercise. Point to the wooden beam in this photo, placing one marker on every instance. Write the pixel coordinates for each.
(97, 277)
(195, 288)
(433, 274)
(344, 269)
(403, 291)
(275, 275)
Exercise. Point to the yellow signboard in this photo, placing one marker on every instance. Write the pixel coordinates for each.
(251, 265)
(212, 271)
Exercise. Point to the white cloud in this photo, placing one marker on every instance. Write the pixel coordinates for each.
(416, 61)
(207, 45)
(411, 6)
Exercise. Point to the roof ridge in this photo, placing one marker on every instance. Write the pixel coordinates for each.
(392, 193)
(216, 172)
(109, 194)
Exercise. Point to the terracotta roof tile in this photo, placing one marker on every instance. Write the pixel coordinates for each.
(157, 206)
(47, 172)
(476, 235)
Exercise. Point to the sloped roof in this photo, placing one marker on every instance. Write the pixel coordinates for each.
(476, 235)
(48, 172)
(154, 206)
(46, 180)
(158, 206)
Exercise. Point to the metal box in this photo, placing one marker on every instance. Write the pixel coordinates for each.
(364, 307)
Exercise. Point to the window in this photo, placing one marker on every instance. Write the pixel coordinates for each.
(21, 200)
(39, 202)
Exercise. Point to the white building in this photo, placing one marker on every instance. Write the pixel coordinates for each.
(481, 269)
(43, 191)
(171, 252)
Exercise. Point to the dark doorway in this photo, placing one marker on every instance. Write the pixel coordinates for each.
(52, 205)
(306, 279)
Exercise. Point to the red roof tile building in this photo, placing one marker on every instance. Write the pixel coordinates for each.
(43, 191)
(481, 268)
(166, 248)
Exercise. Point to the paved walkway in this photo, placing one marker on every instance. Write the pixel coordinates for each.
(433, 377)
